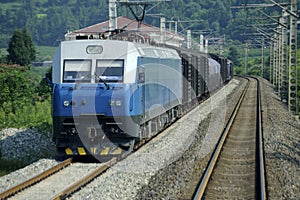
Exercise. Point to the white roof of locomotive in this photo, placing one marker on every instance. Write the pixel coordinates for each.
(112, 49)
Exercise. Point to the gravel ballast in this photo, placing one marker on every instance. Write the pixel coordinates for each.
(282, 147)
(25, 145)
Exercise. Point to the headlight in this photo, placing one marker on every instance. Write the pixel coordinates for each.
(115, 103)
(66, 103)
(112, 103)
(118, 103)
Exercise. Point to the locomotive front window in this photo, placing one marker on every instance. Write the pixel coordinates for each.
(77, 71)
(110, 70)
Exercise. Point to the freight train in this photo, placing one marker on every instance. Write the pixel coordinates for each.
(110, 95)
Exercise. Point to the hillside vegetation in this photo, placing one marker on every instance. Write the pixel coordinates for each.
(49, 20)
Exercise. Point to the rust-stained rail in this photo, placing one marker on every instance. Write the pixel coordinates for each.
(88, 178)
(200, 191)
(34, 180)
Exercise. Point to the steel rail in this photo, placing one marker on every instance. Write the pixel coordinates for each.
(35, 179)
(261, 179)
(208, 172)
(88, 178)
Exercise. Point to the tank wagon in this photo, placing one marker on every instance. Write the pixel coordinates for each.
(110, 95)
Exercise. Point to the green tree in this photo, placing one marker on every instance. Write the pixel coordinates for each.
(21, 49)
(234, 56)
(44, 90)
(16, 88)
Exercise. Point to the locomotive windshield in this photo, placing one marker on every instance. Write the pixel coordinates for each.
(77, 71)
(110, 70)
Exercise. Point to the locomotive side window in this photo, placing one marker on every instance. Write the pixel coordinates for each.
(110, 70)
(77, 71)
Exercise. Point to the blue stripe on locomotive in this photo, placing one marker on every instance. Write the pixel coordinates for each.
(94, 99)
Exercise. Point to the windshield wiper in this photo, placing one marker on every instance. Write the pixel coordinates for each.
(100, 79)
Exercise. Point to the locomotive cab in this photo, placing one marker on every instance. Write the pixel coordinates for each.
(92, 82)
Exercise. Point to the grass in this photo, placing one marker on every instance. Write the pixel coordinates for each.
(41, 15)
(44, 53)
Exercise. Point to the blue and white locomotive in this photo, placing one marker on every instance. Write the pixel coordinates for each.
(109, 95)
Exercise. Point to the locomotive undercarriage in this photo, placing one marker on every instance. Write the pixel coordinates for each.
(151, 127)
(91, 135)
(105, 137)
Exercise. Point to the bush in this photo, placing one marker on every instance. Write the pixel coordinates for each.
(20, 105)
(16, 88)
(43, 89)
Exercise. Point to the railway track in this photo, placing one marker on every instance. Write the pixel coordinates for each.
(44, 185)
(57, 182)
(236, 168)
(50, 190)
